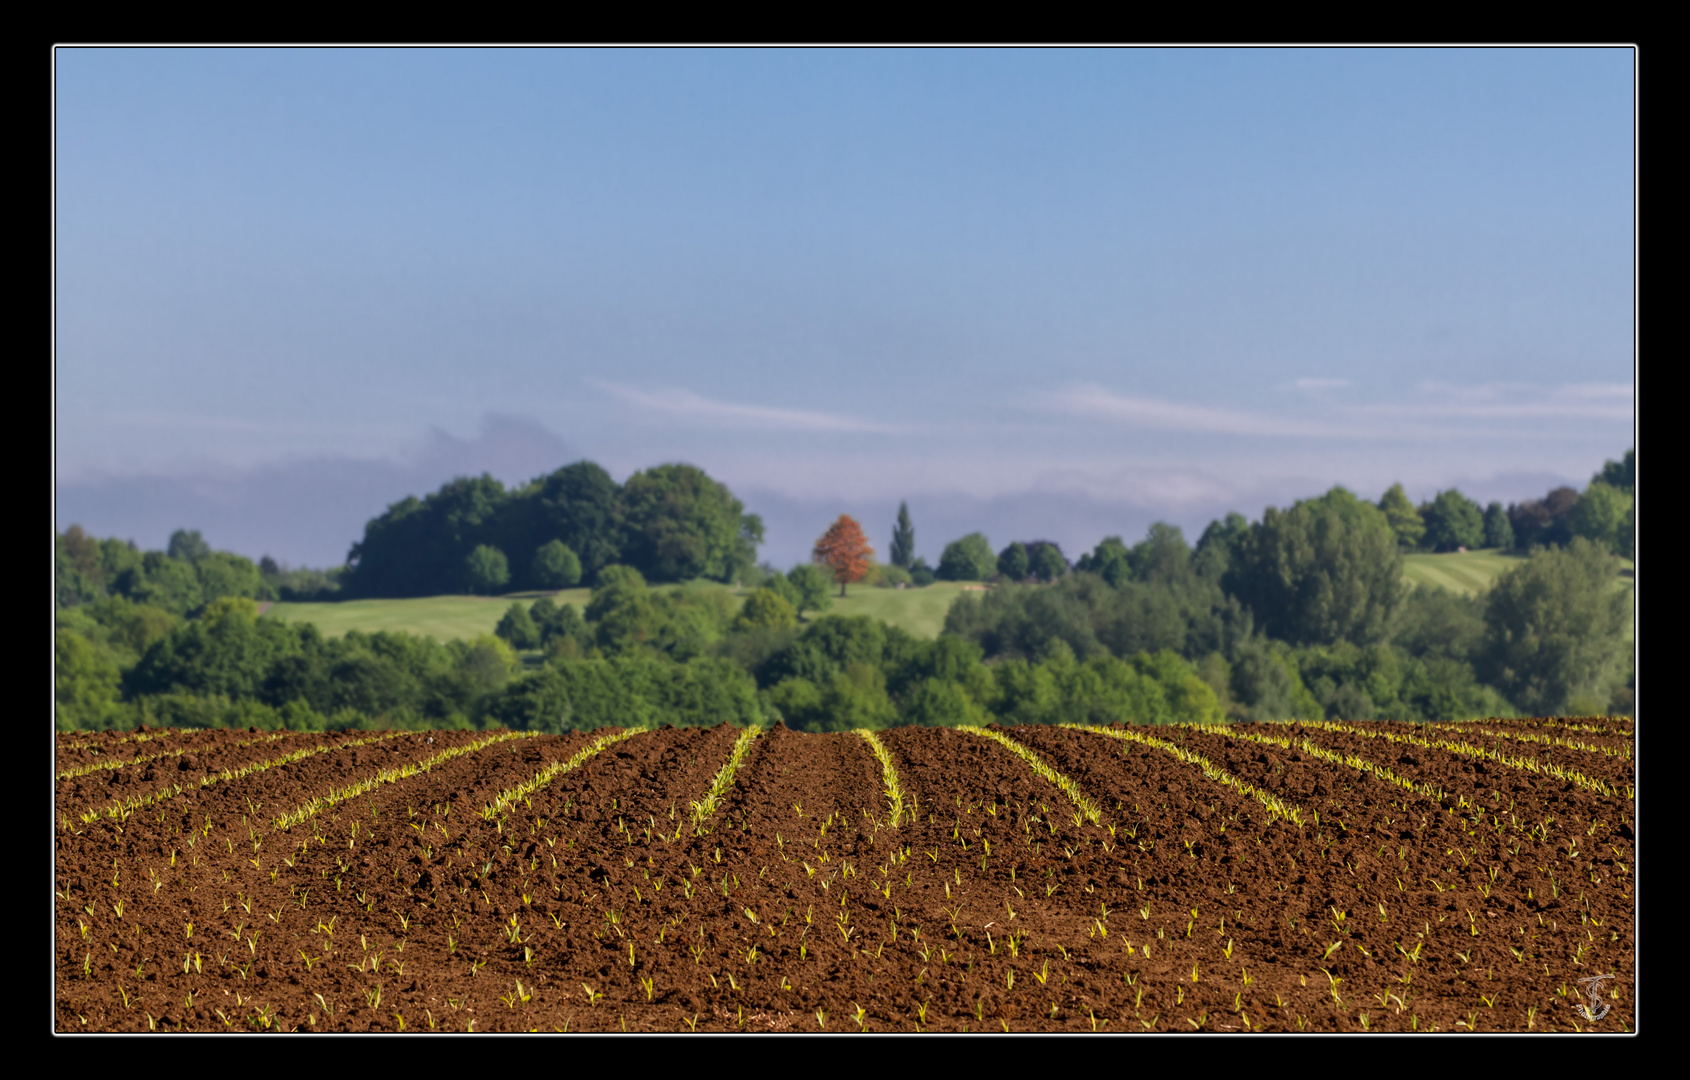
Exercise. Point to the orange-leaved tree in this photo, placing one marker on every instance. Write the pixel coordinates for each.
(844, 550)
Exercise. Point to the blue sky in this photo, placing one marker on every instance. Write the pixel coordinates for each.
(1039, 292)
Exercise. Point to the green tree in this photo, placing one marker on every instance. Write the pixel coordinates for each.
(1434, 622)
(555, 566)
(1324, 571)
(223, 574)
(228, 650)
(1452, 521)
(1267, 683)
(1013, 562)
(1545, 522)
(577, 505)
(814, 586)
(563, 632)
(680, 524)
(1620, 474)
(1499, 532)
(622, 611)
(782, 586)
(128, 628)
(418, 546)
(1111, 559)
(1219, 543)
(86, 681)
(485, 569)
(1555, 629)
(187, 545)
(1162, 555)
(1600, 516)
(941, 703)
(80, 577)
(691, 620)
(1405, 520)
(1045, 560)
(968, 559)
(1189, 697)
(850, 699)
(903, 539)
(765, 609)
(162, 582)
(518, 629)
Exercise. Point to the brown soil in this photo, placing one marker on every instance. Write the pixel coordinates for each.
(596, 902)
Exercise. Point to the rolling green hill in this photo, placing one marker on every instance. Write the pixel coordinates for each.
(1462, 571)
(920, 611)
(1473, 571)
(440, 617)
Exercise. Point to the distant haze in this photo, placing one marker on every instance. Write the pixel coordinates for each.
(309, 512)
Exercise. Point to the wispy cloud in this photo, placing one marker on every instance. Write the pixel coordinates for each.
(1428, 412)
(1502, 401)
(1095, 401)
(685, 404)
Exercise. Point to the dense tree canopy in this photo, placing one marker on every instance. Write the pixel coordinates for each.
(1301, 615)
(1555, 629)
(1545, 522)
(1405, 520)
(1110, 560)
(577, 506)
(766, 609)
(672, 522)
(1324, 571)
(1013, 563)
(1601, 517)
(1045, 560)
(680, 524)
(1620, 474)
(518, 627)
(812, 587)
(187, 545)
(1218, 545)
(1452, 521)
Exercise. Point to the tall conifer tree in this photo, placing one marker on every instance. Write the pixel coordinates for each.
(903, 538)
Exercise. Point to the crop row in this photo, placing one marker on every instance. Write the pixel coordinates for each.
(803, 904)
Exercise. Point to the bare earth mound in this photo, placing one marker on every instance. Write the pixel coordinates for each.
(1270, 877)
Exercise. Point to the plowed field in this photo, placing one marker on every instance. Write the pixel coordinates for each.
(1270, 877)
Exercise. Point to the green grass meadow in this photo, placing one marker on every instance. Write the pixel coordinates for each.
(440, 617)
(920, 611)
(1461, 571)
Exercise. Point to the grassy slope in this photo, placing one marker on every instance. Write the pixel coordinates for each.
(1473, 571)
(1462, 572)
(920, 611)
(442, 617)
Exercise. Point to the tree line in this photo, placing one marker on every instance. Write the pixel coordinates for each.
(178, 581)
(671, 523)
(1304, 613)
